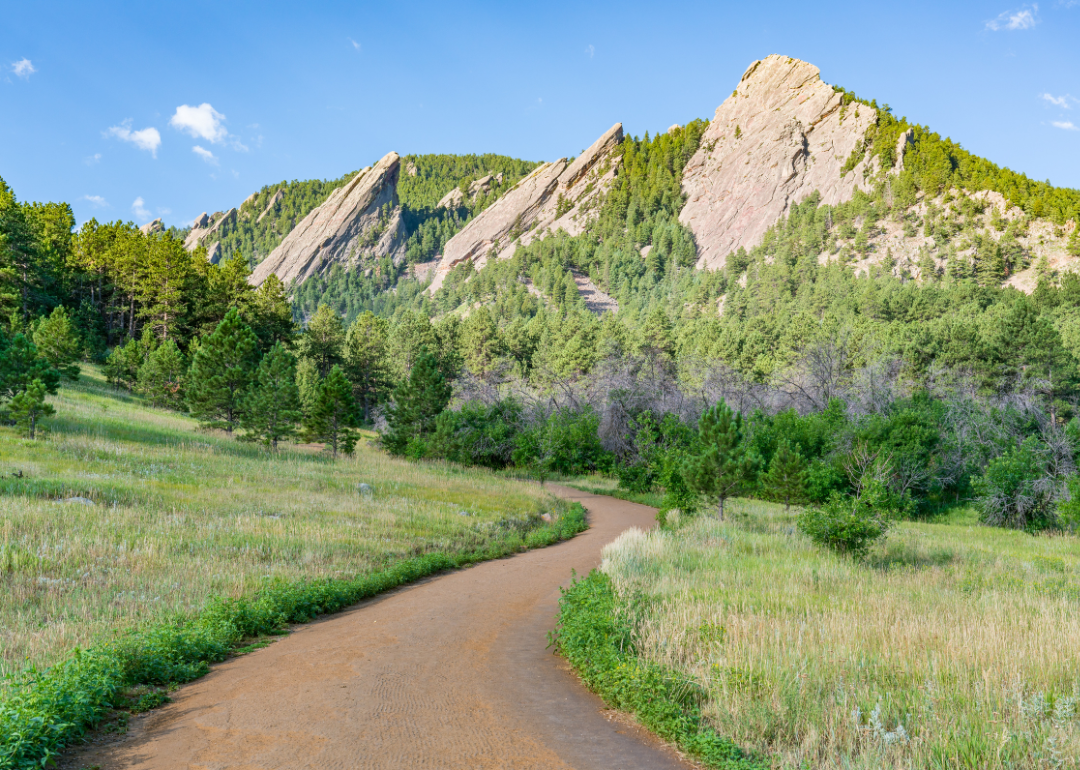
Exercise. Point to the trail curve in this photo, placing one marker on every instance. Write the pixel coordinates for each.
(452, 672)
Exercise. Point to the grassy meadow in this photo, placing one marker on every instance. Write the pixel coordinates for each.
(179, 516)
(952, 645)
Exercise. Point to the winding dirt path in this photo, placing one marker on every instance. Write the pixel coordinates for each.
(451, 672)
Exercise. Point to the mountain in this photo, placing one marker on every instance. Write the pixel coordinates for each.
(781, 135)
(359, 220)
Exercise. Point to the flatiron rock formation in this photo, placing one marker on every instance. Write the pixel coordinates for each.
(555, 196)
(360, 219)
(205, 226)
(779, 137)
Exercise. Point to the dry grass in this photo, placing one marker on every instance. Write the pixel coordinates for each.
(952, 646)
(180, 516)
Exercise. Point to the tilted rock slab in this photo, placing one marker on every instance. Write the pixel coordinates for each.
(782, 135)
(349, 225)
(554, 196)
(203, 227)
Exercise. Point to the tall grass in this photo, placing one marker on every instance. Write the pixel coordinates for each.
(951, 646)
(181, 516)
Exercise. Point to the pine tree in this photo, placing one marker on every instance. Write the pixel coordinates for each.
(334, 417)
(418, 400)
(28, 407)
(481, 342)
(161, 377)
(270, 313)
(58, 343)
(1074, 240)
(307, 384)
(221, 373)
(271, 408)
(724, 466)
(20, 365)
(366, 363)
(785, 480)
(323, 340)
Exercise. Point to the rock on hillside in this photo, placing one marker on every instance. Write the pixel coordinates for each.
(779, 137)
(559, 195)
(455, 198)
(360, 219)
(153, 227)
(203, 227)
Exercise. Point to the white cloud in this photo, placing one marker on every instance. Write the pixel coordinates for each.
(202, 122)
(1066, 125)
(138, 208)
(145, 139)
(354, 44)
(96, 201)
(1025, 18)
(92, 160)
(591, 50)
(23, 69)
(205, 154)
(1058, 101)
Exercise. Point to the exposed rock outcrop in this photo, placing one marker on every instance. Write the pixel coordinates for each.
(555, 196)
(204, 226)
(779, 137)
(153, 227)
(360, 219)
(275, 199)
(481, 186)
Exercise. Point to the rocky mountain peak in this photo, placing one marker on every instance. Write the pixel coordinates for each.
(781, 135)
(555, 196)
(359, 219)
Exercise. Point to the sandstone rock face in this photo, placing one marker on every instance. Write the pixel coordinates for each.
(782, 135)
(205, 226)
(359, 219)
(275, 199)
(153, 227)
(455, 198)
(555, 196)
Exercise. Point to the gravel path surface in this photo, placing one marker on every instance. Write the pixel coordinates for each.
(451, 672)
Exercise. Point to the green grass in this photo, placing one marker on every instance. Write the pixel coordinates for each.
(966, 636)
(197, 547)
(181, 516)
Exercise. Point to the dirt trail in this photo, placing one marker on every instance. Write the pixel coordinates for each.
(451, 672)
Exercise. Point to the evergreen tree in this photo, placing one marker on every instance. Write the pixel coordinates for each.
(323, 340)
(307, 385)
(20, 365)
(418, 400)
(161, 377)
(28, 407)
(58, 342)
(221, 373)
(725, 466)
(270, 313)
(1074, 240)
(785, 480)
(481, 343)
(366, 364)
(333, 419)
(271, 408)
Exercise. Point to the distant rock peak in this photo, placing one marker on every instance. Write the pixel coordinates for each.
(351, 224)
(781, 135)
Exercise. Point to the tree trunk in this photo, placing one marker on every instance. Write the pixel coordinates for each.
(721, 509)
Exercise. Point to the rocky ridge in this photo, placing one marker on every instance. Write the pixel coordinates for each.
(360, 219)
(555, 196)
(205, 226)
(781, 135)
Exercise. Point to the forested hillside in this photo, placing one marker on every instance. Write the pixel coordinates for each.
(268, 215)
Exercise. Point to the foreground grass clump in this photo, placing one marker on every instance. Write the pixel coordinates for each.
(950, 645)
(186, 543)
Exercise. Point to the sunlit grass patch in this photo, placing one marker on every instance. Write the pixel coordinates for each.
(173, 516)
(950, 645)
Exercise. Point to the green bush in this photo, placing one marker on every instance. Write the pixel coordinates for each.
(44, 711)
(1013, 492)
(845, 524)
(599, 645)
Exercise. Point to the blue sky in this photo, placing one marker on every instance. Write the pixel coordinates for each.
(133, 110)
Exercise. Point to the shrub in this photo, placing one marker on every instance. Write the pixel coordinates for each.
(847, 524)
(1016, 491)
